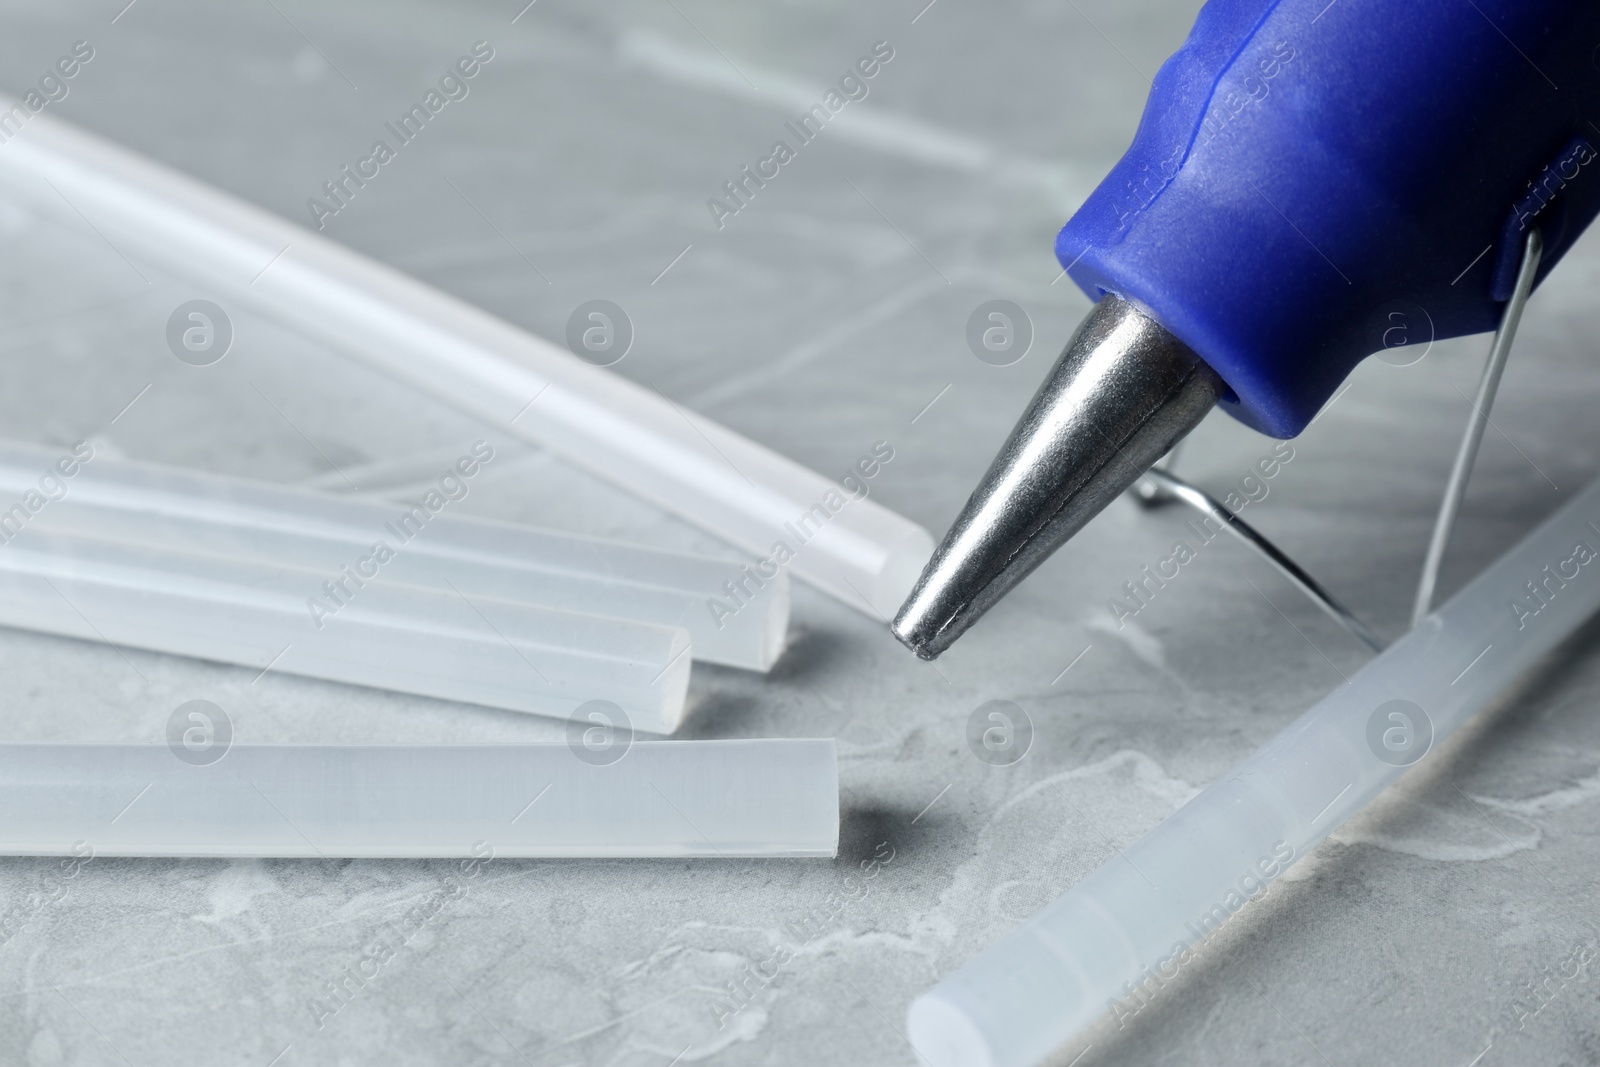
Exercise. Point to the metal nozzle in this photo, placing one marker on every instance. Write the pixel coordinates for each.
(1123, 392)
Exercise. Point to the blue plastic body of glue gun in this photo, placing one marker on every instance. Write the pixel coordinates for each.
(1310, 175)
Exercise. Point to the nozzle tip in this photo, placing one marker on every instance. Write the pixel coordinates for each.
(907, 635)
(933, 615)
(1122, 393)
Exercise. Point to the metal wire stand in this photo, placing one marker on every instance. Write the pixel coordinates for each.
(1160, 486)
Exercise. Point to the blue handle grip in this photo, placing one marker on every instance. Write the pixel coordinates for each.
(1307, 178)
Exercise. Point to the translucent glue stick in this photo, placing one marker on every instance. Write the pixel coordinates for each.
(735, 614)
(711, 799)
(411, 640)
(1127, 927)
(841, 540)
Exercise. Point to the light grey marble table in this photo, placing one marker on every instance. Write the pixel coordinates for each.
(826, 314)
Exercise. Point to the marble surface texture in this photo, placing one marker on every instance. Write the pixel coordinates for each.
(825, 315)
